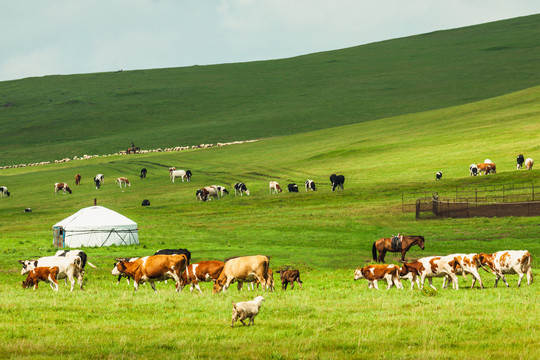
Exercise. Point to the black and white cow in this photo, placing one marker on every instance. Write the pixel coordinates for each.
(520, 160)
(337, 181)
(4, 191)
(438, 175)
(292, 187)
(241, 189)
(310, 185)
(473, 170)
(99, 180)
(175, 252)
(143, 173)
(220, 190)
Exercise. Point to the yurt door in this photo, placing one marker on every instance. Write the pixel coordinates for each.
(58, 236)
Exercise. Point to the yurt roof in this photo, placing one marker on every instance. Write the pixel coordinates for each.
(96, 218)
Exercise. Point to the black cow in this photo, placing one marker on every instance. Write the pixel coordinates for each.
(146, 202)
(175, 252)
(337, 181)
(292, 187)
(520, 160)
(143, 173)
(438, 175)
(240, 188)
(310, 185)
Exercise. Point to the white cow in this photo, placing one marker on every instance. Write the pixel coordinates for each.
(508, 262)
(274, 187)
(434, 266)
(183, 174)
(529, 163)
(69, 267)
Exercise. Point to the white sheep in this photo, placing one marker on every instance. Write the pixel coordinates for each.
(247, 309)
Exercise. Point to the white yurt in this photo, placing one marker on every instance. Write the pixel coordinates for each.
(95, 226)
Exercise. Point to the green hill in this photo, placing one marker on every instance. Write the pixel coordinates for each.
(57, 116)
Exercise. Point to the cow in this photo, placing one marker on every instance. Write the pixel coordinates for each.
(4, 191)
(337, 181)
(508, 262)
(473, 170)
(175, 252)
(529, 163)
(69, 267)
(201, 272)
(123, 180)
(145, 202)
(183, 174)
(310, 185)
(78, 179)
(61, 186)
(289, 276)
(202, 194)
(38, 274)
(520, 160)
(435, 266)
(143, 173)
(207, 191)
(128, 259)
(486, 168)
(469, 264)
(240, 188)
(243, 269)
(153, 268)
(438, 175)
(99, 180)
(274, 187)
(374, 273)
(220, 190)
(292, 188)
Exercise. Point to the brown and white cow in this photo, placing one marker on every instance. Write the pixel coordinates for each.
(529, 163)
(77, 179)
(274, 187)
(38, 274)
(486, 168)
(243, 269)
(201, 272)
(123, 180)
(374, 273)
(153, 268)
(435, 266)
(61, 187)
(410, 273)
(508, 262)
(469, 264)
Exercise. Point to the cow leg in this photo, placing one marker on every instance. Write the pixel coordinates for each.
(197, 286)
(521, 275)
(504, 279)
(240, 285)
(375, 284)
(445, 282)
(397, 282)
(529, 276)
(299, 282)
(153, 285)
(455, 282)
(136, 284)
(476, 276)
(431, 283)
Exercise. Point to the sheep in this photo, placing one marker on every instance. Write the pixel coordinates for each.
(246, 309)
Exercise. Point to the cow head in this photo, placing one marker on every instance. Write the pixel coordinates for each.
(26, 284)
(358, 274)
(218, 286)
(28, 265)
(68, 189)
(119, 268)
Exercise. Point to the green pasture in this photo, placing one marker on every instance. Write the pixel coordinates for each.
(325, 234)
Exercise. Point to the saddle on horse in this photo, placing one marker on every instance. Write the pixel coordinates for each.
(396, 242)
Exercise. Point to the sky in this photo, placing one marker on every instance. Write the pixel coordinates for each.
(50, 37)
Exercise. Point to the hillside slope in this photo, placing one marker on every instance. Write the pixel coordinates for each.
(58, 116)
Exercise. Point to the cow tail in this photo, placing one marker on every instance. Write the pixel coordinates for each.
(266, 267)
(374, 251)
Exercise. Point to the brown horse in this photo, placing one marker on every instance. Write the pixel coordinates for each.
(385, 244)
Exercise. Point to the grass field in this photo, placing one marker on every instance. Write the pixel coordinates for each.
(325, 234)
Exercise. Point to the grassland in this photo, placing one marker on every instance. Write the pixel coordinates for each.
(325, 234)
(57, 116)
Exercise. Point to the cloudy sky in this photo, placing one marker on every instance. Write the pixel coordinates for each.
(45, 37)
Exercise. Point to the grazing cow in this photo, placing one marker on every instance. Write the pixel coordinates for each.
(241, 189)
(61, 186)
(99, 180)
(473, 170)
(337, 181)
(202, 194)
(438, 175)
(183, 174)
(77, 179)
(274, 187)
(175, 252)
(220, 190)
(27, 210)
(123, 180)
(289, 276)
(245, 310)
(529, 163)
(38, 274)
(4, 191)
(69, 267)
(486, 168)
(292, 188)
(143, 173)
(201, 272)
(508, 262)
(520, 160)
(146, 202)
(243, 269)
(310, 185)
(435, 266)
(153, 268)
(374, 273)
(469, 264)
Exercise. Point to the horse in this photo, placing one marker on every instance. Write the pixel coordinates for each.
(386, 244)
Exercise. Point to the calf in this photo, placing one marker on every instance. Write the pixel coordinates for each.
(374, 273)
(240, 188)
(69, 267)
(438, 175)
(77, 179)
(529, 163)
(61, 186)
(289, 276)
(292, 188)
(143, 173)
(201, 272)
(4, 191)
(274, 187)
(247, 309)
(123, 180)
(310, 185)
(38, 274)
(337, 181)
(473, 170)
(508, 262)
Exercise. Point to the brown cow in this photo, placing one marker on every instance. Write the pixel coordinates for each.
(486, 168)
(43, 273)
(374, 273)
(289, 276)
(201, 272)
(243, 269)
(77, 179)
(153, 268)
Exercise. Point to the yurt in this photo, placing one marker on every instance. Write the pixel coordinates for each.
(95, 226)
